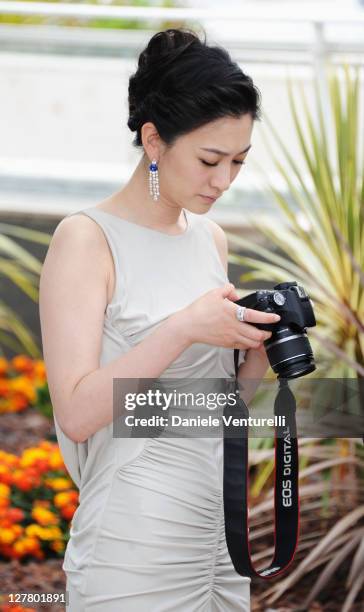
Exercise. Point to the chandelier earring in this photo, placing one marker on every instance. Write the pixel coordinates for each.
(154, 180)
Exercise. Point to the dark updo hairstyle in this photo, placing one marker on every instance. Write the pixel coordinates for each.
(181, 84)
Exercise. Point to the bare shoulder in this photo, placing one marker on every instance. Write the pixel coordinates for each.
(80, 230)
(220, 240)
(79, 249)
(79, 237)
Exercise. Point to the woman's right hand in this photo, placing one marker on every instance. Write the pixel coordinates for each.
(211, 319)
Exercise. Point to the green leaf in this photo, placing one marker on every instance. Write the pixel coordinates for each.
(319, 239)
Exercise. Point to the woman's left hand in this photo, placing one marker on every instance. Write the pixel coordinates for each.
(260, 353)
(251, 371)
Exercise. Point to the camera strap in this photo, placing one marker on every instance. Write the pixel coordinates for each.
(286, 495)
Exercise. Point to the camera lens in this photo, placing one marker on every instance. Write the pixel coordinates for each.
(289, 353)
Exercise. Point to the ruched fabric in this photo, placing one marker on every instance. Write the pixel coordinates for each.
(149, 534)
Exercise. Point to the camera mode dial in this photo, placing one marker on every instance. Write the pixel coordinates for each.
(279, 298)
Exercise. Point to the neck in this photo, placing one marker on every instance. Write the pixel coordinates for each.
(136, 204)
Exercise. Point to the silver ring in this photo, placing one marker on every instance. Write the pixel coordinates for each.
(240, 313)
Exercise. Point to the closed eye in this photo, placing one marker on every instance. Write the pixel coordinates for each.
(235, 162)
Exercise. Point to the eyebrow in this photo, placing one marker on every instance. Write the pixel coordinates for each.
(224, 152)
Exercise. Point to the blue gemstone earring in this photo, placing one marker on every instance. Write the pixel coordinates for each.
(154, 180)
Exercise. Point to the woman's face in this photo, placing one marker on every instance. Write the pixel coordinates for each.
(188, 170)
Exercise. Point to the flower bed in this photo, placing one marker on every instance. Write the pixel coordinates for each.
(22, 383)
(37, 503)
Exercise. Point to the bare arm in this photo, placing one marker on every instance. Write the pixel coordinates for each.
(73, 299)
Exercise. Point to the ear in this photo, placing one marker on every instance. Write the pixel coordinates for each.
(151, 140)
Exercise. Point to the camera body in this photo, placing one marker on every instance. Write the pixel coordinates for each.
(288, 349)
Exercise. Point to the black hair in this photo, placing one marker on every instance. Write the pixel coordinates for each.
(182, 83)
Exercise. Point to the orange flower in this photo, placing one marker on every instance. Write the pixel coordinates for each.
(19, 379)
(45, 444)
(44, 516)
(31, 455)
(58, 546)
(41, 465)
(5, 475)
(22, 363)
(18, 530)
(15, 515)
(56, 460)
(64, 498)
(7, 535)
(9, 459)
(74, 496)
(17, 403)
(39, 370)
(25, 545)
(61, 499)
(30, 544)
(4, 365)
(68, 511)
(23, 385)
(4, 387)
(4, 491)
(4, 406)
(44, 533)
(33, 530)
(4, 495)
(58, 484)
(39, 554)
(7, 550)
(25, 481)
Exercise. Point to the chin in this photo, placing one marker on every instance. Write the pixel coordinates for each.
(200, 209)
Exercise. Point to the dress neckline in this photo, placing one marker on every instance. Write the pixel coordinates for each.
(149, 229)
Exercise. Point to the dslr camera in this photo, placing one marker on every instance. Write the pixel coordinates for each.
(288, 349)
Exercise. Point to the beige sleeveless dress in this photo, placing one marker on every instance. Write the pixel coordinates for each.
(148, 535)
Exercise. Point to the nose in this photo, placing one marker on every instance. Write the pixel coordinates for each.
(221, 178)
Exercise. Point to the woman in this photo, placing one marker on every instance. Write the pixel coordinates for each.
(136, 288)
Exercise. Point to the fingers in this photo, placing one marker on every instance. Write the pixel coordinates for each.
(250, 332)
(244, 343)
(256, 316)
(233, 294)
(253, 333)
(227, 289)
(229, 292)
(247, 344)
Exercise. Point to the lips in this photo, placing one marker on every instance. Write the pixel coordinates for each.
(209, 197)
